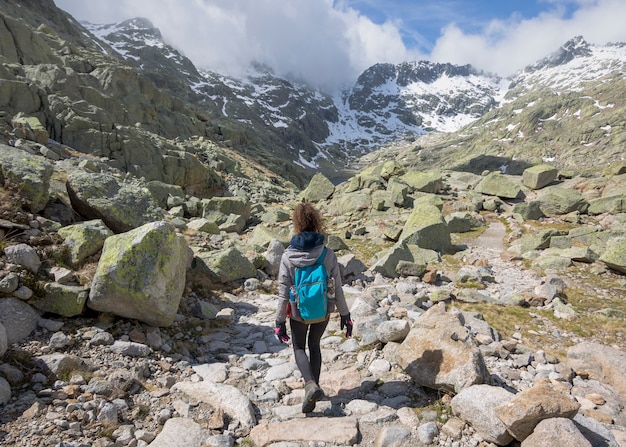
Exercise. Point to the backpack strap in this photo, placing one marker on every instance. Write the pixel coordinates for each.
(320, 260)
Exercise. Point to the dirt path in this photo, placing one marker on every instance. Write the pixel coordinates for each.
(492, 238)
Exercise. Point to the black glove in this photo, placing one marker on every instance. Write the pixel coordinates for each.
(347, 323)
(281, 332)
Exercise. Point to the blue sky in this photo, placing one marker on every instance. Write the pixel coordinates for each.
(330, 42)
(421, 22)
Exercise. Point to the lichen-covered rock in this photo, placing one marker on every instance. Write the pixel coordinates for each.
(141, 274)
(64, 300)
(615, 254)
(558, 201)
(424, 181)
(497, 184)
(611, 205)
(539, 176)
(224, 265)
(528, 210)
(427, 228)
(84, 239)
(319, 188)
(121, 206)
(26, 173)
(30, 127)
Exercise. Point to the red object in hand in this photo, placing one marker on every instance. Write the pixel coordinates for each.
(281, 332)
(346, 322)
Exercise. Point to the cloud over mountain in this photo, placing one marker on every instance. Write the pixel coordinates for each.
(329, 43)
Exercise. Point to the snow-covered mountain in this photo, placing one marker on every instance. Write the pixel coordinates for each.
(386, 104)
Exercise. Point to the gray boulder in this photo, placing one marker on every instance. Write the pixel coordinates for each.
(476, 405)
(539, 176)
(350, 266)
(528, 210)
(387, 264)
(203, 225)
(319, 188)
(499, 185)
(162, 191)
(5, 391)
(441, 354)
(526, 409)
(23, 255)
(558, 201)
(611, 205)
(599, 362)
(426, 228)
(274, 254)
(84, 239)
(228, 213)
(29, 127)
(61, 299)
(615, 254)
(4, 341)
(225, 397)
(18, 318)
(393, 330)
(120, 206)
(29, 174)
(141, 274)
(556, 431)
(424, 181)
(223, 266)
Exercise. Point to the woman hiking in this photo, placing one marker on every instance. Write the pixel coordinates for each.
(306, 247)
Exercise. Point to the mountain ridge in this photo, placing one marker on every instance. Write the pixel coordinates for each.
(395, 102)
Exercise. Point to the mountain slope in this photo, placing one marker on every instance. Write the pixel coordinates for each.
(568, 109)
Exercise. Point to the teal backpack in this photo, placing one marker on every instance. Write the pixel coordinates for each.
(308, 295)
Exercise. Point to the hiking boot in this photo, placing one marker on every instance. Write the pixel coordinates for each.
(312, 393)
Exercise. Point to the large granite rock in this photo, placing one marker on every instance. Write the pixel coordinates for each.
(84, 239)
(427, 228)
(121, 206)
(526, 409)
(18, 318)
(141, 274)
(599, 362)
(27, 173)
(319, 188)
(441, 353)
(223, 266)
(615, 254)
(556, 200)
(539, 176)
(424, 181)
(499, 185)
(476, 405)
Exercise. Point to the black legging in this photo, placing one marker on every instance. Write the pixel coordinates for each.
(310, 369)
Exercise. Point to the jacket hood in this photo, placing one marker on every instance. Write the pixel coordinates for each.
(305, 248)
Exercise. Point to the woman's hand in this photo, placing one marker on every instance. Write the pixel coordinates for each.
(346, 322)
(281, 332)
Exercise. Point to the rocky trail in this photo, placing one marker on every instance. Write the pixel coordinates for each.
(236, 384)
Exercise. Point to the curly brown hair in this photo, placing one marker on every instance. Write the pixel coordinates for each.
(307, 218)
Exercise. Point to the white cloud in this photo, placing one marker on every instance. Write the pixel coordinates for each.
(314, 40)
(507, 46)
(328, 43)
